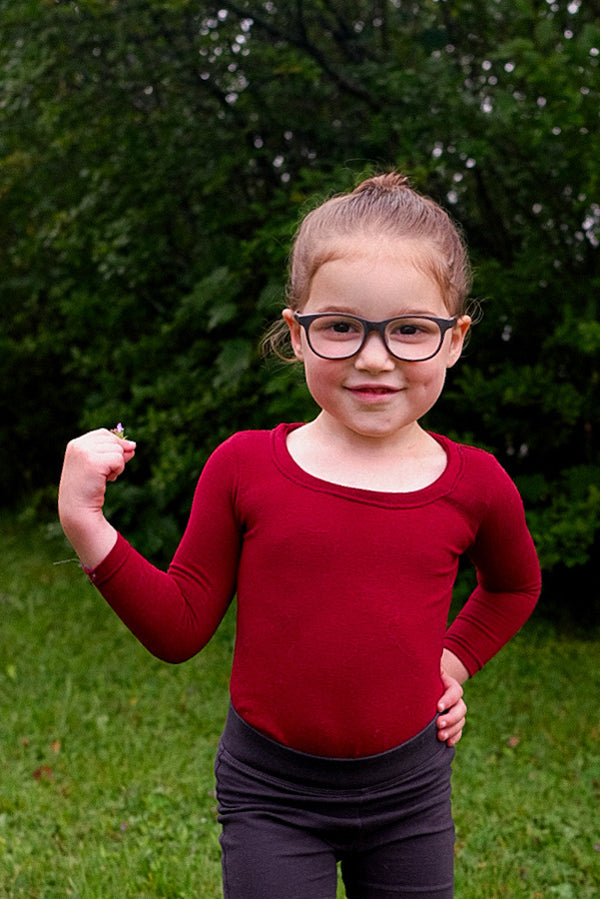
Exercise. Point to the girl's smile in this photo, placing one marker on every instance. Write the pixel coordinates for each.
(373, 393)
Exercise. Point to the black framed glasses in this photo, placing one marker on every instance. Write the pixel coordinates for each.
(411, 338)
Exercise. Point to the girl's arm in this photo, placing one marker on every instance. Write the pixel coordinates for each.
(508, 579)
(90, 462)
(173, 613)
(508, 588)
(452, 666)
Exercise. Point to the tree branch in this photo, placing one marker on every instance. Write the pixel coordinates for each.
(302, 42)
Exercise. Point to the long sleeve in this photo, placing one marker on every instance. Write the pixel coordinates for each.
(509, 580)
(175, 613)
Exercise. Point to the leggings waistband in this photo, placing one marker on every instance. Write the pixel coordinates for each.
(257, 751)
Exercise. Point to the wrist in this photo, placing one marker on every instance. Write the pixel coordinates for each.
(453, 666)
(91, 536)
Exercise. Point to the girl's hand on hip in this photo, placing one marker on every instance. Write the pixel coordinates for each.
(453, 710)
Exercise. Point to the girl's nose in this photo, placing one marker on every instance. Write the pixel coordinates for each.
(374, 355)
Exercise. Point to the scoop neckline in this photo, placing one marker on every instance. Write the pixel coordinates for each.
(438, 488)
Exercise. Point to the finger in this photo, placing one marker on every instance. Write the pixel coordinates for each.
(96, 458)
(452, 741)
(449, 717)
(115, 464)
(452, 693)
(451, 734)
(450, 737)
(125, 446)
(449, 699)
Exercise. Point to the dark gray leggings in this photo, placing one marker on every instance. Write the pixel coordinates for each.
(288, 818)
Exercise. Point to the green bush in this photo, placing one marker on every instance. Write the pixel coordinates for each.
(155, 159)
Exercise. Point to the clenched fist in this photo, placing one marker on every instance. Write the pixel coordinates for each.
(90, 462)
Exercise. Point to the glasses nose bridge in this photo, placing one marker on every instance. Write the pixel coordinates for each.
(378, 327)
(370, 327)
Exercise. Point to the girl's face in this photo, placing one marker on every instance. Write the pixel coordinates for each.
(373, 394)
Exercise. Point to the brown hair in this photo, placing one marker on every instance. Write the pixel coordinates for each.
(382, 206)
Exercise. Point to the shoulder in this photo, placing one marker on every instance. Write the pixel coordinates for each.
(243, 440)
(474, 459)
(252, 441)
(481, 460)
(249, 448)
(235, 462)
(480, 475)
(244, 469)
(239, 446)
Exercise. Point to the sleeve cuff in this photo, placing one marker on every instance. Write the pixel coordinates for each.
(471, 662)
(111, 564)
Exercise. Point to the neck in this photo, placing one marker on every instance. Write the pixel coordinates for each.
(327, 431)
(399, 465)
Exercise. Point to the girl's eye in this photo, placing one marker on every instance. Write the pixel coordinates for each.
(337, 327)
(405, 329)
(416, 330)
(342, 327)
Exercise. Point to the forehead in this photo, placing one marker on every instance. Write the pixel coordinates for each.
(391, 271)
(421, 255)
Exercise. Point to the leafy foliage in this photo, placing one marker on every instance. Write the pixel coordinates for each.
(155, 157)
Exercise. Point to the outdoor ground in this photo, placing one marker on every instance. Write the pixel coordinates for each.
(106, 785)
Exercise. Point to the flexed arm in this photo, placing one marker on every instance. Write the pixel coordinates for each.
(173, 613)
(90, 462)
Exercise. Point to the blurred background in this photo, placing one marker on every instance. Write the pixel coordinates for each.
(155, 160)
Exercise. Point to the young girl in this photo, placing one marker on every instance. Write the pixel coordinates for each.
(341, 539)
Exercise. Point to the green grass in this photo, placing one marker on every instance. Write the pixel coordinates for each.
(106, 785)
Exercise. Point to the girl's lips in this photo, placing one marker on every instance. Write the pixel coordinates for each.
(373, 390)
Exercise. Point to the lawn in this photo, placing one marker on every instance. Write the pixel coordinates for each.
(106, 785)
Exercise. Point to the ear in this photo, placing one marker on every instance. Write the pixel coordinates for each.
(459, 333)
(295, 333)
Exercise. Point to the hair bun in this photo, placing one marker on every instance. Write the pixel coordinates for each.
(385, 183)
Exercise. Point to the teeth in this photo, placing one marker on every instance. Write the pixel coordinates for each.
(381, 390)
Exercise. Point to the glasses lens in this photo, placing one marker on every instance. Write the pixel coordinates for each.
(413, 338)
(335, 336)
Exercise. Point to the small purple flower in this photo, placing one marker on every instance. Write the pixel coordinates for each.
(119, 431)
